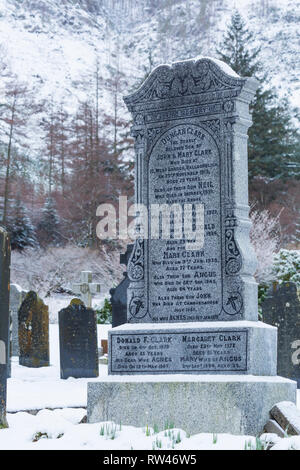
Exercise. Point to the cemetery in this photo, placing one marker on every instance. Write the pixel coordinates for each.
(175, 324)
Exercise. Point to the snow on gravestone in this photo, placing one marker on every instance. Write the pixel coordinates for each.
(190, 128)
(78, 341)
(281, 308)
(33, 319)
(4, 320)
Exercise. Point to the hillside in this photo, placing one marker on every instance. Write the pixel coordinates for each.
(54, 44)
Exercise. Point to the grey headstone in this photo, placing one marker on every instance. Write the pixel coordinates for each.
(281, 308)
(119, 294)
(16, 297)
(33, 332)
(4, 320)
(190, 123)
(78, 341)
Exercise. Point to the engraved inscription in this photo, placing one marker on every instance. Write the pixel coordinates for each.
(181, 352)
(185, 285)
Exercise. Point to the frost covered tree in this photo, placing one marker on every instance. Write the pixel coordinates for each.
(20, 227)
(49, 224)
(273, 138)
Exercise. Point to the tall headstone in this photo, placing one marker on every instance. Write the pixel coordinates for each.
(193, 351)
(78, 341)
(119, 294)
(33, 332)
(4, 320)
(16, 297)
(281, 308)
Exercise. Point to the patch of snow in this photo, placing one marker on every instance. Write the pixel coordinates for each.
(37, 388)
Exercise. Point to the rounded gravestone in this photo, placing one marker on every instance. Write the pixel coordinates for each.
(78, 341)
(33, 332)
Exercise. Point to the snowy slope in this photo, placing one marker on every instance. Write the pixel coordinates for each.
(53, 44)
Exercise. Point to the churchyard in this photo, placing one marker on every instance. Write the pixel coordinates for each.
(153, 301)
(186, 363)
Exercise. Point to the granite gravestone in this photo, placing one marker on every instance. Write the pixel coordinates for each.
(281, 308)
(119, 294)
(33, 323)
(192, 306)
(16, 297)
(4, 320)
(78, 341)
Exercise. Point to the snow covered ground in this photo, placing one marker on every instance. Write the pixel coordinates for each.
(34, 389)
(59, 428)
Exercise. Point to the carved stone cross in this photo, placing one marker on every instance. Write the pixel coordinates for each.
(86, 288)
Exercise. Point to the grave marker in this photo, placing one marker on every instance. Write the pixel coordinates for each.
(192, 351)
(4, 320)
(16, 297)
(33, 332)
(78, 341)
(86, 288)
(119, 294)
(281, 308)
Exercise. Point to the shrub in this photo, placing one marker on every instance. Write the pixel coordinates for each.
(104, 315)
(286, 266)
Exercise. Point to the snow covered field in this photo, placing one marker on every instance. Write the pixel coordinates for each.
(37, 389)
(34, 389)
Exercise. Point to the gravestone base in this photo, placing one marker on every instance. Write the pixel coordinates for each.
(236, 347)
(195, 403)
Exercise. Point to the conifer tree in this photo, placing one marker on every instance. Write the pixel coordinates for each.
(48, 227)
(22, 231)
(272, 137)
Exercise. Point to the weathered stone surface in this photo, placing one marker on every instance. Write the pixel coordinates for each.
(193, 348)
(33, 332)
(16, 297)
(104, 345)
(272, 427)
(119, 294)
(190, 125)
(287, 415)
(212, 403)
(78, 341)
(4, 320)
(281, 308)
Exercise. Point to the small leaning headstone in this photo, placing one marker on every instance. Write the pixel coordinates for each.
(4, 320)
(33, 332)
(16, 297)
(281, 308)
(78, 341)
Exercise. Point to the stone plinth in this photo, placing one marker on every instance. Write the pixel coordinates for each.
(195, 403)
(240, 347)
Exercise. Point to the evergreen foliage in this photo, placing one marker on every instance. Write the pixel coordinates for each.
(20, 227)
(48, 227)
(273, 140)
(104, 315)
